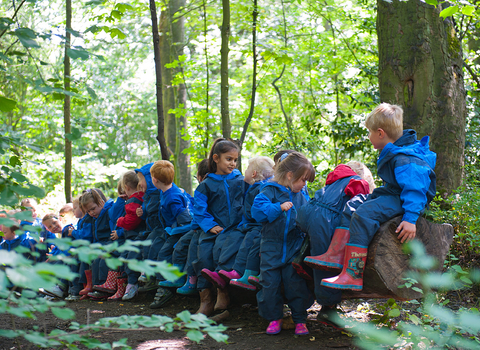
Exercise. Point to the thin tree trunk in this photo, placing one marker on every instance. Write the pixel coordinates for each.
(254, 82)
(420, 69)
(207, 83)
(226, 126)
(158, 73)
(67, 106)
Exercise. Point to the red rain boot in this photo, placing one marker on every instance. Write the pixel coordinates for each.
(88, 288)
(332, 260)
(121, 286)
(353, 267)
(110, 285)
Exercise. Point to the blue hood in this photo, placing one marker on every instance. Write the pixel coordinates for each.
(145, 170)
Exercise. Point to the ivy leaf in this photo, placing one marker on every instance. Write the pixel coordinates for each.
(449, 11)
(63, 313)
(26, 37)
(195, 335)
(6, 104)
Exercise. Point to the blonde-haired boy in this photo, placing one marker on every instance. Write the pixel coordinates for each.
(406, 167)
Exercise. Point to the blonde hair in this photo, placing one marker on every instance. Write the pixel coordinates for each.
(163, 171)
(130, 179)
(66, 209)
(387, 117)
(28, 202)
(50, 216)
(362, 171)
(296, 163)
(263, 166)
(120, 189)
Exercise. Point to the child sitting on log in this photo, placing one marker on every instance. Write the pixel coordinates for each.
(406, 167)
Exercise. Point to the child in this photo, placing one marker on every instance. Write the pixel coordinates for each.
(321, 216)
(118, 208)
(31, 204)
(11, 240)
(175, 213)
(218, 209)
(245, 236)
(406, 167)
(66, 214)
(276, 207)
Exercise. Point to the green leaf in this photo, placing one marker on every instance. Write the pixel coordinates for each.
(218, 336)
(8, 333)
(195, 335)
(466, 280)
(75, 53)
(115, 32)
(449, 11)
(25, 215)
(92, 93)
(432, 2)
(6, 104)
(26, 37)
(394, 313)
(74, 32)
(8, 197)
(74, 135)
(63, 313)
(414, 319)
(468, 10)
(5, 23)
(14, 161)
(19, 177)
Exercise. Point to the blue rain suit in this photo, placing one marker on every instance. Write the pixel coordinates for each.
(407, 169)
(281, 240)
(321, 216)
(218, 202)
(116, 211)
(246, 236)
(24, 240)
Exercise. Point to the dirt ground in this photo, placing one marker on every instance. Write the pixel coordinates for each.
(246, 329)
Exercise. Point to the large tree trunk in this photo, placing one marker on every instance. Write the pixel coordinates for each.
(420, 69)
(67, 106)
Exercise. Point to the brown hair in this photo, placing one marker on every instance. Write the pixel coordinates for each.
(94, 195)
(163, 171)
(50, 216)
(28, 202)
(280, 153)
(219, 147)
(297, 164)
(202, 168)
(67, 208)
(120, 189)
(129, 179)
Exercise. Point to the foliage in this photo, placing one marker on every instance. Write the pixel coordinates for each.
(432, 324)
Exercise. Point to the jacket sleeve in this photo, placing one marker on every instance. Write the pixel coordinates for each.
(130, 221)
(263, 210)
(83, 232)
(203, 218)
(414, 180)
(355, 187)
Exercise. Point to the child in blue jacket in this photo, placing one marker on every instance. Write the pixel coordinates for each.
(321, 216)
(218, 209)
(406, 167)
(11, 240)
(276, 207)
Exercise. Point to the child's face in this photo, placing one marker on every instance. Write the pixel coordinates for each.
(378, 138)
(53, 225)
(77, 211)
(33, 210)
(250, 175)
(226, 162)
(142, 183)
(8, 233)
(93, 209)
(297, 185)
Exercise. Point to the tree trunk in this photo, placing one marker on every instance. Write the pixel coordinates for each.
(387, 265)
(420, 69)
(226, 127)
(67, 106)
(158, 74)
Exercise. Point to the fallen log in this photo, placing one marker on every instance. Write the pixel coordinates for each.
(387, 264)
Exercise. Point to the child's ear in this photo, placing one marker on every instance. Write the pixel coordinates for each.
(216, 158)
(290, 176)
(254, 174)
(381, 133)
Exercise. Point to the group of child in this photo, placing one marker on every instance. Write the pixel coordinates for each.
(247, 230)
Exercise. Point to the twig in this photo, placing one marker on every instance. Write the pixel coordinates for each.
(14, 15)
(472, 73)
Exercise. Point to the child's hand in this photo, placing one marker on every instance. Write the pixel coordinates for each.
(123, 196)
(407, 231)
(216, 229)
(70, 230)
(114, 236)
(286, 206)
(42, 239)
(139, 212)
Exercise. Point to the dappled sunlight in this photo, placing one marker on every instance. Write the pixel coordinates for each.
(163, 344)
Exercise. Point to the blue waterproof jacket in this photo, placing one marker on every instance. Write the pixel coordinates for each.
(248, 221)
(44, 233)
(84, 229)
(102, 225)
(117, 210)
(174, 209)
(151, 200)
(24, 240)
(281, 236)
(407, 169)
(219, 201)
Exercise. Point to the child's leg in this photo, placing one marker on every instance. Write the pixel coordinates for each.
(204, 259)
(244, 250)
(218, 246)
(180, 251)
(165, 253)
(192, 254)
(158, 240)
(269, 298)
(297, 294)
(230, 249)
(253, 257)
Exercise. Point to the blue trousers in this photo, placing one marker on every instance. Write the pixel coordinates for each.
(229, 249)
(204, 260)
(248, 256)
(192, 254)
(180, 251)
(165, 253)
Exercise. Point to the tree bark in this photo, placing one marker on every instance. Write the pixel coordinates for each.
(158, 74)
(420, 69)
(226, 126)
(67, 106)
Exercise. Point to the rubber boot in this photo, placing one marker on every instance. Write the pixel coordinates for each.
(178, 282)
(332, 260)
(88, 288)
(353, 267)
(121, 287)
(110, 285)
(190, 287)
(228, 275)
(206, 302)
(223, 299)
(214, 278)
(255, 281)
(242, 282)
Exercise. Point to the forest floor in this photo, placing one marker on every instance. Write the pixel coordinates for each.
(246, 329)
